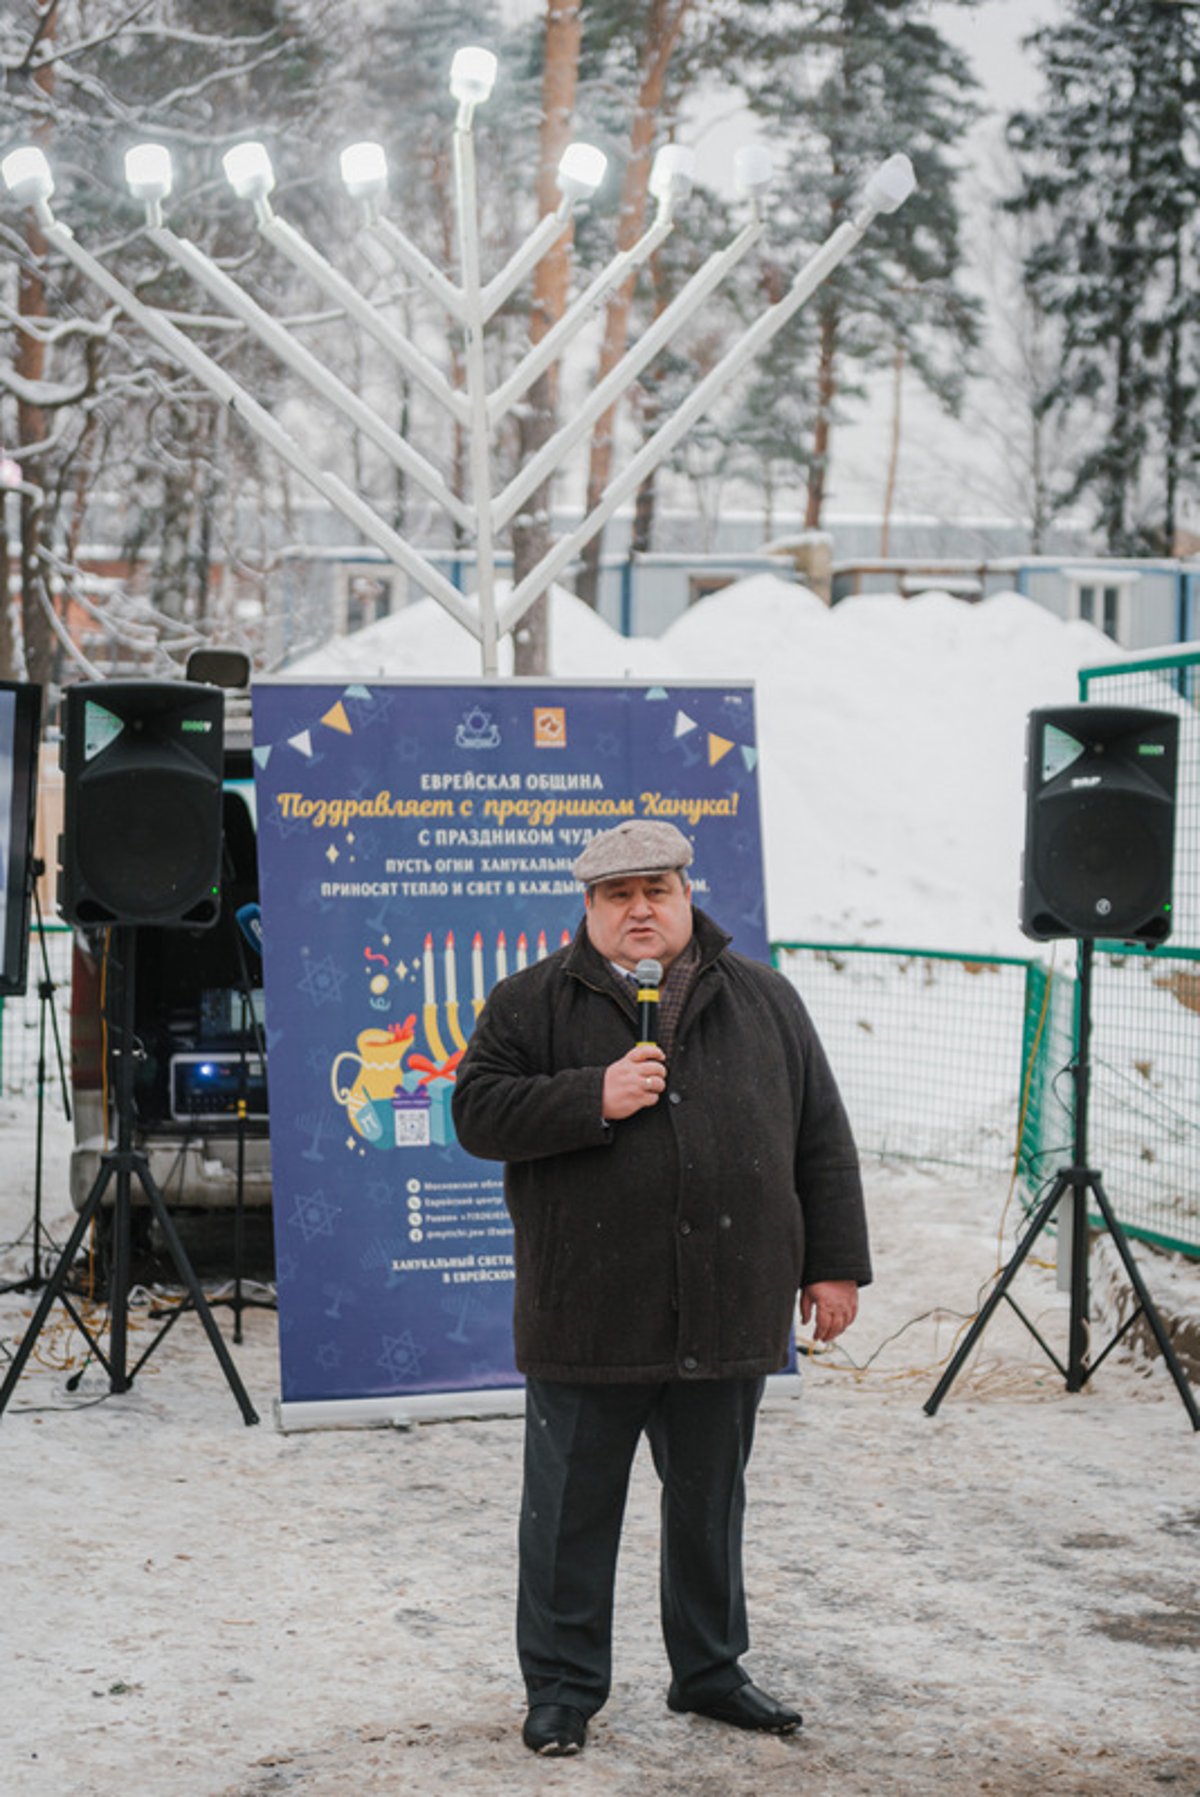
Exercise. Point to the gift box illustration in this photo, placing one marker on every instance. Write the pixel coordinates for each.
(421, 1103)
(411, 1118)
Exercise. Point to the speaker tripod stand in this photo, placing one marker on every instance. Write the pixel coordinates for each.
(35, 1278)
(1074, 1183)
(121, 1168)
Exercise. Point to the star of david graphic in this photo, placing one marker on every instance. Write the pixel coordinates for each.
(401, 1356)
(313, 1215)
(322, 981)
(375, 708)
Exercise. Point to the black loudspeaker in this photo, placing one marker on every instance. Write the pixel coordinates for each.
(1099, 823)
(141, 841)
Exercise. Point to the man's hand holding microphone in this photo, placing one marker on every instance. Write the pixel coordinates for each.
(639, 1078)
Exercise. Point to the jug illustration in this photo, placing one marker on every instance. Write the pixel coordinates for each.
(373, 1071)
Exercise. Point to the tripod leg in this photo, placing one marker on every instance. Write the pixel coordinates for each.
(54, 1285)
(120, 1278)
(1149, 1308)
(194, 1289)
(1077, 1347)
(35, 1281)
(239, 1210)
(1041, 1218)
(39, 1139)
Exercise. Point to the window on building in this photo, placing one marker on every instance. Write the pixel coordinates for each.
(367, 596)
(1104, 602)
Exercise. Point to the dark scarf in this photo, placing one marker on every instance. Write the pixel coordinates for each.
(672, 994)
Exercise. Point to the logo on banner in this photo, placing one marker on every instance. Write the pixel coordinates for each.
(549, 727)
(477, 731)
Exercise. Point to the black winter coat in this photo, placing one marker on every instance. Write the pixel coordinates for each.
(670, 1245)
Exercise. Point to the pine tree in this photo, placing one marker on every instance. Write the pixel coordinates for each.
(841, 84)
(1112, 160)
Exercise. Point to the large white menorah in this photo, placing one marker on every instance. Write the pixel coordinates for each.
(471, 304)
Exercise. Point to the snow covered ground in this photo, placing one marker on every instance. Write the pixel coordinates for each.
(1001, 1598)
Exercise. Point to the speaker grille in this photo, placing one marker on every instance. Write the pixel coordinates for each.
(163, 852)
(142, 835)
(1102, 858)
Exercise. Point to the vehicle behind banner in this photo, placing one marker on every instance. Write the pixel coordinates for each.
(415, 845)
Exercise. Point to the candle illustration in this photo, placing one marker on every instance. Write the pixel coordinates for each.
(477, 972)
(522, 950)
(542, 950)
(501, 957)
(429, 1010)
(460, 1041)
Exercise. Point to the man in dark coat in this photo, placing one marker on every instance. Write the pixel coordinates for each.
(669, 1199)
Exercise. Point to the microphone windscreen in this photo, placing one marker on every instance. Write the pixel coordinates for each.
(249, 918)
(648, 973)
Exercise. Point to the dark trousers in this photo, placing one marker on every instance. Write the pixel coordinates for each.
(580, 1442)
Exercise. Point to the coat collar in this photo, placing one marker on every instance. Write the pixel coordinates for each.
(583, 961)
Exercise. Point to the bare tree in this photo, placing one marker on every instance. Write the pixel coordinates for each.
(89, 406)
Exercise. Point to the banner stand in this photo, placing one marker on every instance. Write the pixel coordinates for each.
(444, 1407)
(415, 846)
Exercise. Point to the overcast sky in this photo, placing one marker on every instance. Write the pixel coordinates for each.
(991, 35)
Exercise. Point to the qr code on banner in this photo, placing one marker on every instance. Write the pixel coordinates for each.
(412, 1129)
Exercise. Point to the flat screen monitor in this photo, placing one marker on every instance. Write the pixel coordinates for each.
(20, 720)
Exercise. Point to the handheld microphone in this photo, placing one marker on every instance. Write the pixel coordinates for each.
(648, 975)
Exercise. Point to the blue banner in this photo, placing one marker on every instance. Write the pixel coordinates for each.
(415, 845)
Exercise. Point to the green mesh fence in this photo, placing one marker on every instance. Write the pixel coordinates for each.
(1047, 1058)
(1144, 1120)
(938, 1056)
(928, 1048)
(1144, 1117)
(1167, 683)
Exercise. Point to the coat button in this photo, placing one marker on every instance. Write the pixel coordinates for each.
(675, 1097)
(685, 1227)
(690, 1363)
(725, 1222)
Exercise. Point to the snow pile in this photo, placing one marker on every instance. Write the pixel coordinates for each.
(891, 731)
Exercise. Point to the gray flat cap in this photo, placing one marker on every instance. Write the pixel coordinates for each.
(638, 846)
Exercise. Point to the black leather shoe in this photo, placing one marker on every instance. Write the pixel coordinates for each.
(746, 1707)
(554, 1729)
